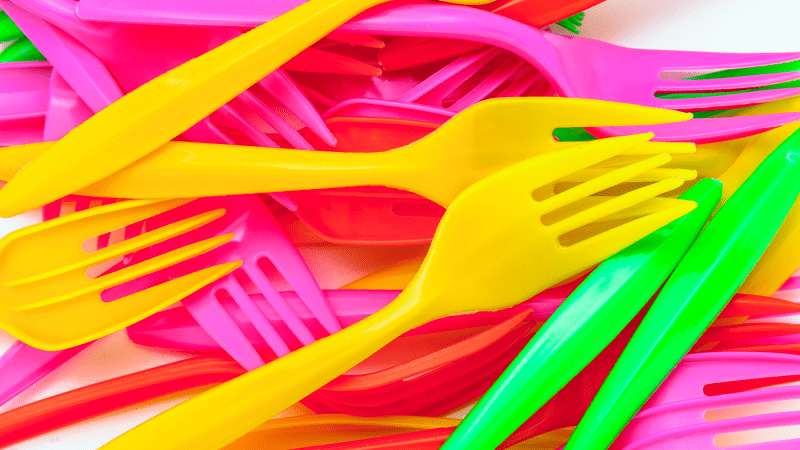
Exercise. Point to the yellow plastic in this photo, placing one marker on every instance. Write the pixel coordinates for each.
(492, 250)
(168, 105)
(48, 301)
(305, 431)
(480, 140)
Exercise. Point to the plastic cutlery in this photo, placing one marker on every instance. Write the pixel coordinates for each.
(704, 281)
(22, 49)
(583, 326)
(46, 301)
(424, 167)
(505, 198)
(258, 241)
(80, 404)
(161, 109)
(713, 394)
(564, 61)
(246, 14)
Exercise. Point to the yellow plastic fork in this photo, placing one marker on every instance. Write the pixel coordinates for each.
(171, 103)
(480, 140)
(48, 300)
(495, 247)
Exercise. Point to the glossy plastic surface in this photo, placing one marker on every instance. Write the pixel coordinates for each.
(486, 214)
(704, 281)
(258, 241)
(52, 303)
(425, 166)
(583, 326)
(171, 103)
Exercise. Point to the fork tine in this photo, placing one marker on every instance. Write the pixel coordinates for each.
(277, 122)
(727, 101)
(281, 306)
(607, 241)
(611, 177)
(726, 84)
(51, 210)
(489, 84)
(236, 119)
(703, 61)
(525, 80)
(452, 74)
(282, 88)
(652, 175)
(711, 129)
(257, 318)
(584, 155)
(204, 307)
(616, 204)
(128, 273)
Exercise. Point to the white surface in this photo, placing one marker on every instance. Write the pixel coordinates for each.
(708, 25)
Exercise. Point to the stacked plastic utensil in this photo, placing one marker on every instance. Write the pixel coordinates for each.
(393, 224)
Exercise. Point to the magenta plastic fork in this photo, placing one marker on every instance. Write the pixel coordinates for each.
(23, 101)
(263, 248)
(585, 68)
(706, 381)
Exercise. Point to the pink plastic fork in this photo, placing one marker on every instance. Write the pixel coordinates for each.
(23, 101)
(258, 238)
(585, 68)
(674, 416)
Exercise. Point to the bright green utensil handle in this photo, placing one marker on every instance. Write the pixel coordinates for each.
(598, 310)
(702, 284)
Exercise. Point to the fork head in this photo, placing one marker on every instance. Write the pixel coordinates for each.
(51, 298)
(266, 254)
(498, 245)
(499, 132)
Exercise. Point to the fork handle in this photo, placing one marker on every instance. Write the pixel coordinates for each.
(187, 169)
(227, 412)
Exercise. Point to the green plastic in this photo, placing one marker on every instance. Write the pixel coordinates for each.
(8, 30)
(572, 23)
(702, 284)
(21, 50)
(610, 297)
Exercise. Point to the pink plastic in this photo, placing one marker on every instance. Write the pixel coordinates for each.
(175, 328)
(585, 68)
(258, 240)
(23, 101)
(152, 50)
(674, 415)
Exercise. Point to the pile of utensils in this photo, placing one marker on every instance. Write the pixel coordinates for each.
(581, 241)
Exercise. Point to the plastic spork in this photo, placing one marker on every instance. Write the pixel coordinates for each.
(171, 103)
(704, 281)
(583, 326)
(512, 129)
(497, 220)
(54, 302)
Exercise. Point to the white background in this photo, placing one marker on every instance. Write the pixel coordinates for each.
(709, 25)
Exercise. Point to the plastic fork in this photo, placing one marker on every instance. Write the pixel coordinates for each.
(567, 62)
(424, 167)
(257, 239)
(46, 301)
(677, 413)
(704, 281)
(164, 110)
(599, 309)
(486, 213)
